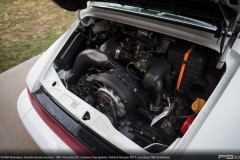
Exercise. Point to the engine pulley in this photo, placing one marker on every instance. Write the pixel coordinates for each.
(109, 100)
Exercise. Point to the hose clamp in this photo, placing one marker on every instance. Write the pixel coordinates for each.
(118, 52)
(154, 108)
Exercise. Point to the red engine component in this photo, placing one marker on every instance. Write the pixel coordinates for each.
(186, 124)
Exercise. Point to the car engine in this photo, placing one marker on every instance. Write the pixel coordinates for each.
(139, 79)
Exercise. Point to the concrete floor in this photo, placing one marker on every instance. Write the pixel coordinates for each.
(14, 139)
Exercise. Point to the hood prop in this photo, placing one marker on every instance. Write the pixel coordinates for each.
(223, 32)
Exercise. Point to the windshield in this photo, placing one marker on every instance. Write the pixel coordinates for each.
(156, 14)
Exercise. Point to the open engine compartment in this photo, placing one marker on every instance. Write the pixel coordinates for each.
(144, 82)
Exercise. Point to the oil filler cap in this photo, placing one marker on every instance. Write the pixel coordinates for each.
(186, 124)
(198, 105)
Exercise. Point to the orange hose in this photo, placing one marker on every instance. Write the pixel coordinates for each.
(183, 66)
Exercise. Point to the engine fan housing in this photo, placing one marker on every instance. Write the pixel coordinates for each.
(117, 92)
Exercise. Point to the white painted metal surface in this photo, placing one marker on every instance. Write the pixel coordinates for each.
(43, 136)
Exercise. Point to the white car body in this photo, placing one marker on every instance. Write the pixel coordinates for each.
(216, 128)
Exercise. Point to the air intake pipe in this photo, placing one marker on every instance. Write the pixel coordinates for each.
(113, 48)
(158, 71)
(90, 57)
(110, 46)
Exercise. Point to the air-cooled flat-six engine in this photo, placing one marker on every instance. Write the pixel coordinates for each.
(139, 79)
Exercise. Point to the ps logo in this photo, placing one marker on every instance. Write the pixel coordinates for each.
(228, 157)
